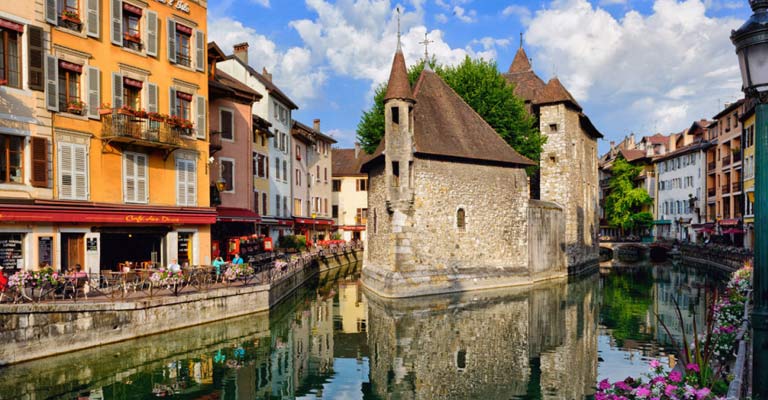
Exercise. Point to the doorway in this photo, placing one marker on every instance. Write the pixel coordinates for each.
(72, 250)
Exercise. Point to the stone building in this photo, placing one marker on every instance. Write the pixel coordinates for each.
(449, 206)
(568, 166)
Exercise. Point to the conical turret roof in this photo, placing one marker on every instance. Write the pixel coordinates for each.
(398, 86)
(521, 63)
(555, 92)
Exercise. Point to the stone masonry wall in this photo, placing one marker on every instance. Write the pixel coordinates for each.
(546, 240)
(569, 178)
(379, 247)
(495, 201)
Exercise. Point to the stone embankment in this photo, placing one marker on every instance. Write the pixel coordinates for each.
(724, 258)
(30, 331)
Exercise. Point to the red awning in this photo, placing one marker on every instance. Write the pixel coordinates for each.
(133, 82)
(106, 214)
(183, 29)
(184, 96)
(726, 222)
(132, 9)
(315, 221)
(230, 214)
(71, 66)
(353, 228)
(4, 23)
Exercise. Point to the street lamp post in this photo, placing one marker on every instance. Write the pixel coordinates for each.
(751, 41)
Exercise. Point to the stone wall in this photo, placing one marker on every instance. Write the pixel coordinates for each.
(546, 240)
(379, 249)
(569, 177)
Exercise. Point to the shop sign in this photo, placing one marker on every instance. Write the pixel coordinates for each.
(177, 4)
(151, 219)
(45, 250)
(92, 244)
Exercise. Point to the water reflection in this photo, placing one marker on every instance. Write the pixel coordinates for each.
(552, 340)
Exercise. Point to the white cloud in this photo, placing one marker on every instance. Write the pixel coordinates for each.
(670, 67)
(521, 12)
(465, 16)
(441, 18)
(263, 3)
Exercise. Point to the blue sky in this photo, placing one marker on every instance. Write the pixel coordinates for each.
(640, 66)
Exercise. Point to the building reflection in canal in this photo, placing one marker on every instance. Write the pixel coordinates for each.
(551, 340)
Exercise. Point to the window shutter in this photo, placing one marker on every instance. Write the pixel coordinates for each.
(65, 170)
(172, 101)
(200, 50)
(92, 18)
(116, 14)
(52, 83)
(142, 193)
(152, 98)
(39, 162)
(266, 166)
(36, 58)
(171, 32)
(80, 172)
(151, 33)
(129, 178)
(117, 90)
(181, 183)
(201, 134)
(51, 16)
(191, 183)
(94, 92)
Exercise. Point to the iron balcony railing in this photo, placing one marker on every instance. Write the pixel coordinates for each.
(726, 189)
(712, 192)
(736, 187)
(124, 125)
(712, 165)
(726, 161)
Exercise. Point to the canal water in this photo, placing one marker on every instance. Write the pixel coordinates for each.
(333, 341)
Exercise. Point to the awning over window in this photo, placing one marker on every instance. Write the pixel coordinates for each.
(183, 29)
(133, 83)
(71, 67)
(728, 222)
(183, 96)
(132, 9)
(316, 221)
(107, 214)
(4, 23)
(231, 214)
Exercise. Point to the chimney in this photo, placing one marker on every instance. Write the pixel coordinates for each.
(266, 74)
(316, 124)
(241, 52)
(357, 149)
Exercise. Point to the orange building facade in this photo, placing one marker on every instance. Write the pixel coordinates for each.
(126, 91)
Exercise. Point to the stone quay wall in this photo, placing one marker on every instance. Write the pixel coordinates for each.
(30, 331)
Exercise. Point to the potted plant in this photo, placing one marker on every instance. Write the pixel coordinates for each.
(132, 37)
(157, 117)
(126, 110)
(142, 113)
(70, 16)
(105, 109)
(76, 107)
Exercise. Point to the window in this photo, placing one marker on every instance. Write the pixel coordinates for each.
(277, 169)
(228, 174)
(553, 127)
(375, 222)
(132, 93)
(260, 169)
(256, 196)
(186, 183)
(73, 171)
(285, 170)
(461, 223)
(69, 88)
(277, 205)
(395, 173)
(285, 206)
(396, 115)
(461, 359)
(297, 206)
(361, 216)
(183, 105)
(183, 38)
(132, 27)
(362, 185)
(135, 188)
(298, 152)
(10, 58)
(325, 206)
(227, 124)
(336, 185)
(264, 204)
(11, 159)
(335, 211)
(297, 182)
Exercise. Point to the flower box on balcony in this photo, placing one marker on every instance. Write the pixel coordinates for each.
(71, 16)
(76, 107)
(135, 38)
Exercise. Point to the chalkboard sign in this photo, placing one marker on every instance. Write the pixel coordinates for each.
(45, 250)
(11, 254)
(92, 244)
(184, 239)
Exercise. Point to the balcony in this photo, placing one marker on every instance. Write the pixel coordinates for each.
(712, 192)
(130, 129)
(736, 187)
(726, 161)
(736, 156)
(726, 189)
(711, 166)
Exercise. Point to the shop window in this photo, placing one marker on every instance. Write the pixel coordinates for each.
(132, 27)
(185, 250)
(228, 174)
(336, 185)
(69, 88)
(183, 38)
(10, 54)
(11, 159)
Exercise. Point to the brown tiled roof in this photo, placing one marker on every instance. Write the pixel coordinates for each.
(444, 125)
(695, 146)
(398, 86)
(521, 63)
(728, 109)
(527, 84)
(302, 132)
(345, 163)
(234, 84)
(315, 134)
(555, 92)
(632, 155)
(658, 139)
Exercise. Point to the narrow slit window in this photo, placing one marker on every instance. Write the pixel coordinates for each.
(461, 222)
(396, 115)
(461, 359)
(395, 173)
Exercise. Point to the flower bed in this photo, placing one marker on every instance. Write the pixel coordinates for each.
(657, 384)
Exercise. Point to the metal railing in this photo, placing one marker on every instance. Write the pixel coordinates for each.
(125, 125)
(712, 166)
(148, 283)
(712, 192)
(736, 187)
(726, 189)
(726, 161)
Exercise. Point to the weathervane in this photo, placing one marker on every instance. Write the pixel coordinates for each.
(398, 28)
(426, 43)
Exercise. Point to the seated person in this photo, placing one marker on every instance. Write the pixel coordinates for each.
(174, 266)
(218, 263)
(236, 260)
(79, 273)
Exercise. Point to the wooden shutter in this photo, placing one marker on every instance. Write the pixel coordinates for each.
(66, 172)
(117, 90)
(116, 17)
(129, 177)
(35, 42)
(52, 83)
(80, 172)
(92, 18)
(152, 33)
(152, 98)
(200, 50)
(201, 112)
(39, 162)
(191, 183)
(181, 182)
(172, 101)
(94, 92)
(142, 192)
(266, 166)
(51, 14)
(171, 34)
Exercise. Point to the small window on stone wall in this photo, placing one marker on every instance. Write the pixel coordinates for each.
(553, 127)
(461, 359)
(396, 115)
(461, 222)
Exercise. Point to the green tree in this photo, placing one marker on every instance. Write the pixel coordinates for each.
(481, 86)
(623, 206)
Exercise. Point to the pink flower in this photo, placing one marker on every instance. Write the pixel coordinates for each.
(675, 376)
(670, 390)
(604, 385)
(655, 364)
(702, 393)
(693, 367)
(642, 391)
(622, 385)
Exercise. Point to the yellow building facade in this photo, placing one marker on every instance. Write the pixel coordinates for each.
(125, 87)
(749, 178)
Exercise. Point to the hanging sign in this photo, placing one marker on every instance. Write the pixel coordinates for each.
(177, 4)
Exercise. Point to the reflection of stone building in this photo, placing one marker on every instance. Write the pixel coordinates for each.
(491, 345)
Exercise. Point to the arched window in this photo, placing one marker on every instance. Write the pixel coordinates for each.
(461, 222)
